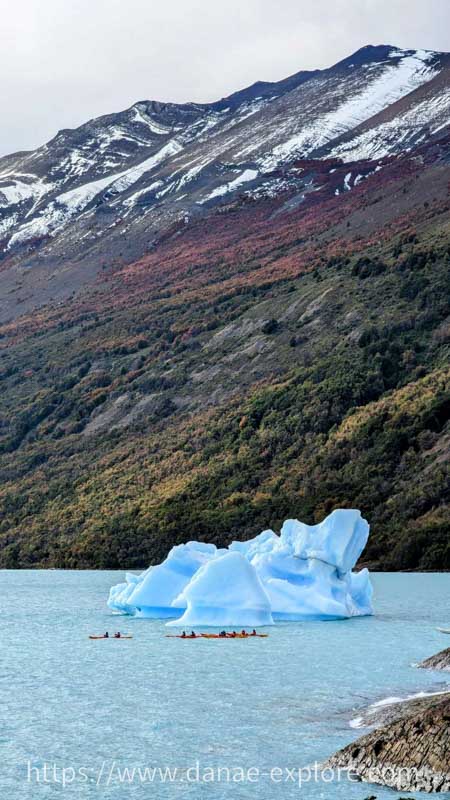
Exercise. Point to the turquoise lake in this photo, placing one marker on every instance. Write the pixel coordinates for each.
(97, 708)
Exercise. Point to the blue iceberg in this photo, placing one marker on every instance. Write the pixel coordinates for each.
(225, 592)
(154, 593)
(338, 540)
(304, 573)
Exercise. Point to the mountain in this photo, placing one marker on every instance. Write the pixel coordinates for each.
(114, 185)
(216, 316)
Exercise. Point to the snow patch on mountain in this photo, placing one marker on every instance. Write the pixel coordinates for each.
(394, 82)
(79, 198)
(132, 200)
(379, 141)
(17, 191)
(192, 173)
(69, 203)
(155, 127)
(245, 177)
(76, 163)
(249, 109)
(7, 224)
(38, 227)
(132, 175)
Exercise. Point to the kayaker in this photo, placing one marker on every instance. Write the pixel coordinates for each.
(183, 635)
(106, 635)
(232, 634)
(244, 632)
(117, 635)
(193, 635)
(253, 633)
(222, 634)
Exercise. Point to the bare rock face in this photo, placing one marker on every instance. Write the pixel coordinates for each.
(439, 661)
(410, 754)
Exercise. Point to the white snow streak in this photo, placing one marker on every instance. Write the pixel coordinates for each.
(75, 200)
(150, 123)
(18, 191)
(395, 81)
(380, 141)
(245, 177)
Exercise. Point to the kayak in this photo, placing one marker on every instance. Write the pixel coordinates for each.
(443, 630)
(236, 636)
(217, 636)
(110, 637)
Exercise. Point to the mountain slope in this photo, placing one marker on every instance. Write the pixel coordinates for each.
(260, 363)
(280, 348)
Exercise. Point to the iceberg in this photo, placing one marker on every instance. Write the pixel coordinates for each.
(361, 592)
(338, 540)
(263, 543)
(153, 593)
(304, 573)
(225, 592)
(322, 595)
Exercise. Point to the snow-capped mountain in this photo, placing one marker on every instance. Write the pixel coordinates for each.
(108, 189)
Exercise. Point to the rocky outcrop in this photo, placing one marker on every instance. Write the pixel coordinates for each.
(409, 754)
(439, 661)
(379, 715)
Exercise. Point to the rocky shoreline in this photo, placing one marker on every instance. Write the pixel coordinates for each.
(410, 754)
(440, 661)
(408, 749)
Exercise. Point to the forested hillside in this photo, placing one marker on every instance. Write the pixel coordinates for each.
(281, 356)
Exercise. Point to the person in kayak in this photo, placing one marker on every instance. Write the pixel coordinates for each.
(253, 633)
(106, 635)
(183, 635)
(193, 635)
(244, 632)
(232, 634)
(223, 634)
(117, 635)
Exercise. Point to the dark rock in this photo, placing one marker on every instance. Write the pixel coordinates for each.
(439, 661)
(410, 754)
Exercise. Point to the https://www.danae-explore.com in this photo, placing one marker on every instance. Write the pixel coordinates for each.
(109, 773)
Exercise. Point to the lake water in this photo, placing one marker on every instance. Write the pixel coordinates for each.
(262, 706)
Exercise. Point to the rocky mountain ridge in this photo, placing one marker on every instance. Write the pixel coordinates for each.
(109, 189)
